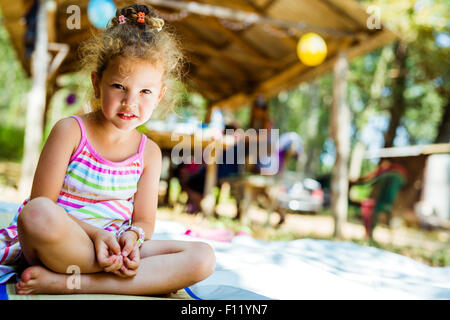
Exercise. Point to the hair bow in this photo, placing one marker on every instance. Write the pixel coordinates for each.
(141, 17)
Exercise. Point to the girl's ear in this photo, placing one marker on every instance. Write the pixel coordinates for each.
(95, 83)
(162, 92)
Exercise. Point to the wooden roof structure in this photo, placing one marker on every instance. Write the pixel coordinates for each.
(237, 49)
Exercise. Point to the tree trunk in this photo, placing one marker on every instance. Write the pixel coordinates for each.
(311, 151)
(443, 135)
(378, 83)
(340, 132)
(398, 107)
(36, 104)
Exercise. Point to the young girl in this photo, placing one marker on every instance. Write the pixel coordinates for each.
(94, 196)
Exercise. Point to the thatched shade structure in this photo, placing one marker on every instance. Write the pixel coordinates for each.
(236, 48)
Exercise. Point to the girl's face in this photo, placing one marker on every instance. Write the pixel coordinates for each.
(129, 91)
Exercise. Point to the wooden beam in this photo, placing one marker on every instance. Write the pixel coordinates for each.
(220, 90)
(202, 68)
(244, 16)
(255, 53)
(234, 57)
(268, 4)
(351, 10)
(198, 45)
(408, 151)
(343, 13)
(289, 40)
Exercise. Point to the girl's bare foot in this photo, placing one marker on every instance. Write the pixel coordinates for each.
(39, 280)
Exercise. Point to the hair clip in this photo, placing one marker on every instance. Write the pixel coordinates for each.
(158, 23)
(122, 19)
(141, 17)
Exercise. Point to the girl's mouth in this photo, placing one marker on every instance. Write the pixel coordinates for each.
(126, 116)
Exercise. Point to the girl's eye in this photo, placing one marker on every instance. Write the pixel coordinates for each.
(147, 91)
(118, 86)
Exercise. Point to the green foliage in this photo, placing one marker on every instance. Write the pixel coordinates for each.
(13, 82)
(427, 88)
(242, 116)
(13, 88)
(11, 142)
(174, 190)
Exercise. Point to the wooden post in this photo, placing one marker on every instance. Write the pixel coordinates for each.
(340, 132)
(356, 161)
(36, 103)
(208, 203)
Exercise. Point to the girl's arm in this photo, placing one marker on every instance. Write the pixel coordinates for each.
(146, 197)
(53, 161)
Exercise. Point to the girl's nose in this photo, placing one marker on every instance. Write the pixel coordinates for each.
(129, 100)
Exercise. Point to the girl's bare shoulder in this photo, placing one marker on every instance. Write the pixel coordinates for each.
(68, 130)
(67, 126)
(152, 153)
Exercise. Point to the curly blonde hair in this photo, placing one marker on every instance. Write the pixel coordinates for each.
(148, 39)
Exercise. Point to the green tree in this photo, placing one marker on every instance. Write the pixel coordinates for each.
(13, 88)
(419, 81)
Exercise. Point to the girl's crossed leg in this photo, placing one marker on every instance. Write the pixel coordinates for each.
(165, 265)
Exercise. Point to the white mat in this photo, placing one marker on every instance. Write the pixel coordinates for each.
(311, 269)
(247, 268)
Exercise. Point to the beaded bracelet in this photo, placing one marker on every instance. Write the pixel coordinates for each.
(127, 227)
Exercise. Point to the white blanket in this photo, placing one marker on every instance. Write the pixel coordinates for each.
(247, 268)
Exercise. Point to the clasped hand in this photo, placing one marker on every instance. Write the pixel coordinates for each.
(119, 256)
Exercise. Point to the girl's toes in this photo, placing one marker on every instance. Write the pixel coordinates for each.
(30, 273)
(22, 291)
(22, 288)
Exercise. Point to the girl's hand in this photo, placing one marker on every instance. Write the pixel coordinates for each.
(107, 250)
(130, 264)
(127, 242)
(130, 254)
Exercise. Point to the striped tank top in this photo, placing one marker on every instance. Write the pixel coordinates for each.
(95, 190)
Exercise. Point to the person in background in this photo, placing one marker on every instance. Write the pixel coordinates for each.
(389, 178)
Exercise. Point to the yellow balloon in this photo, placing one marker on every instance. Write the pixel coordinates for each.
(311, 49)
